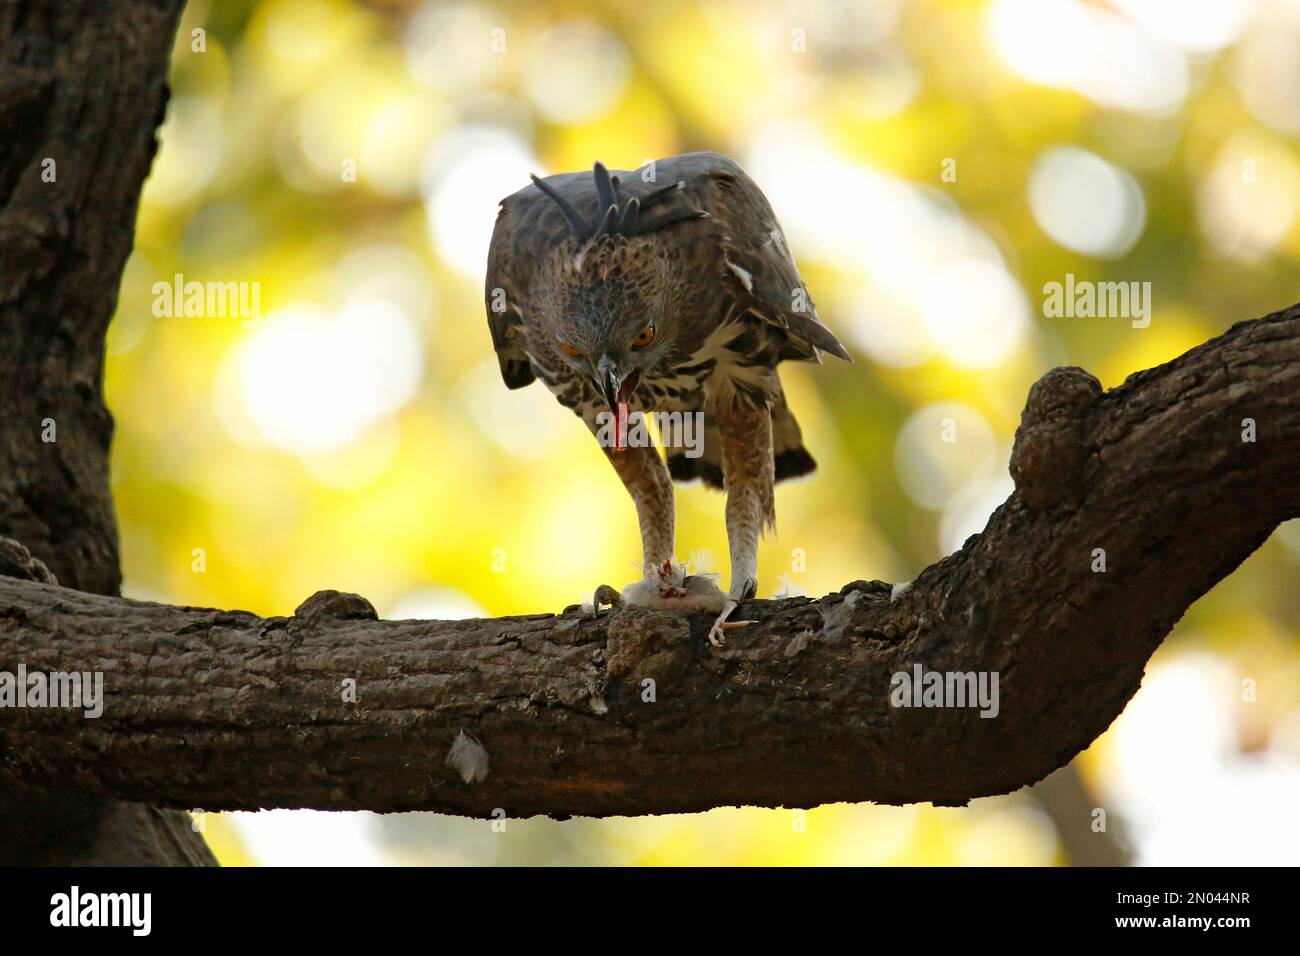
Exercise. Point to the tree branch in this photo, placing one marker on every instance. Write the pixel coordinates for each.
(227, 710)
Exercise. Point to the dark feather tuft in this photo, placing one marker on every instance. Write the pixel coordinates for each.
(683, 469)
(604, 188)
(614, 217)
(794, 462)
(580, 228)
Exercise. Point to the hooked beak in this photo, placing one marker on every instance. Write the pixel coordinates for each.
(616, 387)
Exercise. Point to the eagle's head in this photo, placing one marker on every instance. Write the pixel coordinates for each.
(609, 312)
(611, 320)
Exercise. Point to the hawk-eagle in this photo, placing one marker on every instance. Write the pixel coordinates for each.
(669, 288)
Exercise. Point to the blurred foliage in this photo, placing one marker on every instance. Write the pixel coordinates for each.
(935, 164)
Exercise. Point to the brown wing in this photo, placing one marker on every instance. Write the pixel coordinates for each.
(502, 296)
(755, 260)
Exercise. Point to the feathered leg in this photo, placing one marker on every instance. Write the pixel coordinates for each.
(665, 583)
(646, 478)
(748, 474)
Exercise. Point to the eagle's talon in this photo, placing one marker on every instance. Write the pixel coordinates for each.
(605, 595)
(717, 635)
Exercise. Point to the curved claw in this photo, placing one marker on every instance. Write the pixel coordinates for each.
(717, 633)
(716, 636)
(605, 595)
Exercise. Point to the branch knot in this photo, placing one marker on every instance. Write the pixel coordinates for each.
(1047, 459)
(17, 562)
(336, 605)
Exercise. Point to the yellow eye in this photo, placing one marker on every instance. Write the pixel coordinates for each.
(644, 337)
(571, 350)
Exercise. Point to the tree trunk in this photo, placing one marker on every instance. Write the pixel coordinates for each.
(83, 86)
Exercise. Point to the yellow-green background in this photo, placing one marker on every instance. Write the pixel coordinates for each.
(358, 437)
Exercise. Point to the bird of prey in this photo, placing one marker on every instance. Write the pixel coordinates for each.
(667, 288)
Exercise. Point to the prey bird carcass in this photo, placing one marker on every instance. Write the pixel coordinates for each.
(667, 288)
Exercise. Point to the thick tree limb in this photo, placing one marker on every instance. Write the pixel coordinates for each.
(226, 710)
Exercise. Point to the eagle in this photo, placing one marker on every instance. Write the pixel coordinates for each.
(669, 288)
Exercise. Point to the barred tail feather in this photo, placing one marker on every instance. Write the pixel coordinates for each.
(792, 459)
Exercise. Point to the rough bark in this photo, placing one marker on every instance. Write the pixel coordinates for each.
(83, 85)
(227, 710)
